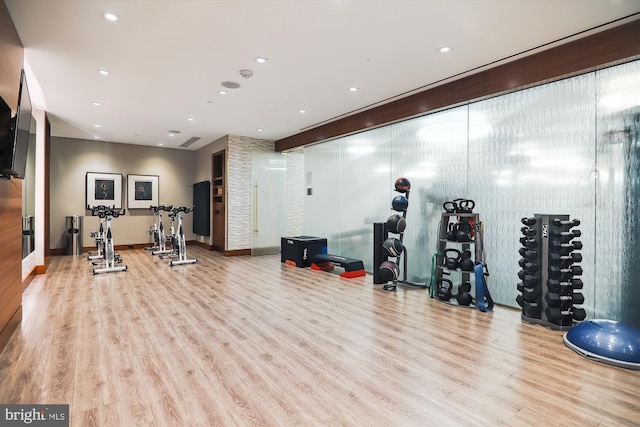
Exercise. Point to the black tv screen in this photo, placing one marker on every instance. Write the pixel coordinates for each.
(14, 147)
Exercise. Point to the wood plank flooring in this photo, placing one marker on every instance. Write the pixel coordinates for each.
(249, 341)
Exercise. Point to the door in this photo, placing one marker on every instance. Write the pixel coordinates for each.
(269, 172)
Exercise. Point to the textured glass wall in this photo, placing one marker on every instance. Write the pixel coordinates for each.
(322, 188)
(569, 147)
(532, 152)
(617, 287)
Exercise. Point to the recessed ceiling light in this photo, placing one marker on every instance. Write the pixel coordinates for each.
(97, 104)
(109, 16)
(222, 92)
(190, 119)
(159, 143)
(260, 129)
(353, 89)
(103, 72)
(303, 111)
(96, 125)
(171, 134)
(261, 59)
(96, 137)
(445, 49)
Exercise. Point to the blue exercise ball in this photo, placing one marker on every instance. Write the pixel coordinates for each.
(606, 341)
(400, 203)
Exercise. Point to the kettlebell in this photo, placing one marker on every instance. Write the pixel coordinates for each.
(444, 290)
(451, 232)
(450, 262)
(463, 231)
(465, 262)
(464, 296)
(450, 207)
(465, 205)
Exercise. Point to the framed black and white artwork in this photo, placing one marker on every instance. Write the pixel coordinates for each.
(142, 191)
(104, 189)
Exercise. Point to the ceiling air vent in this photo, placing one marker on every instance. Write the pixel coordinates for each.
(190, 141)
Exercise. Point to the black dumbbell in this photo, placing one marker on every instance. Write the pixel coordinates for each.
(520, 300)
(528, 266)
(531, 294)
(576, 283)
(531, 309)
(528, 243)
(574, 270)
(528, 231)
(528, 221)
(528, 279)
(573, 257)
(565, 248)
(559, 316)
(528, 254)
(565, 236)
(562, 288)
(578, 314)
(563, 301)
(566, 224)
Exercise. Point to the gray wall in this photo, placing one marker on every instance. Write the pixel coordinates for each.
(71, 159)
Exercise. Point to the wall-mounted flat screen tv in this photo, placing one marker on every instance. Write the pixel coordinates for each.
(15, 144)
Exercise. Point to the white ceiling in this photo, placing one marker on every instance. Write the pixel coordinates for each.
(167, 58)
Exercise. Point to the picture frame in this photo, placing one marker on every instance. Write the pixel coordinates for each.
(142, 191)
(104, 189)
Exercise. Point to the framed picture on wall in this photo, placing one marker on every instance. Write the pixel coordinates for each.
(142, 191)
(104, 189)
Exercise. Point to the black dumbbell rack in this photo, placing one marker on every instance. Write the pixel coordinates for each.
(549, 274)
(443, 242)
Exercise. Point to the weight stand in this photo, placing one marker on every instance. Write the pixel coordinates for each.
(476, 241)
(547, 277)
(380, 234)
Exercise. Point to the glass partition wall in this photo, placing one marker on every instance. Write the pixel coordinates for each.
(567, 147)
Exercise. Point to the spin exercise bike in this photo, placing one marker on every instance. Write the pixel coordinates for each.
(179, 244)
(161, 237)
(110, 256)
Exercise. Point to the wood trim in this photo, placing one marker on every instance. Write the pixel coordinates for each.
(27, 280)
(576, 57)
(238, 252)
(10, 327)
(41, 269)
(47, 187)
(200, 244)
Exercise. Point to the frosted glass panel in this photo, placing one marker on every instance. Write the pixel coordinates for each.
(532, 152)
(269, 171)
(322, 189)
(617, 285)
(569, 147)
(431, 152)
(365, 192)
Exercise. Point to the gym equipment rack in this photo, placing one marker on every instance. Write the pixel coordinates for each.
(548, 281)
(474, 244)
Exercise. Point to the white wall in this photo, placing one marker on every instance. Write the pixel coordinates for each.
(71, 159)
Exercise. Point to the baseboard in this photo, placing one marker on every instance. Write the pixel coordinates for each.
(10, 328)
(238, 252)
(41, 269)
(201, 244)
(27, 281)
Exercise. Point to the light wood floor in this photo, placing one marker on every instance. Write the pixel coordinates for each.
(246, 341)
